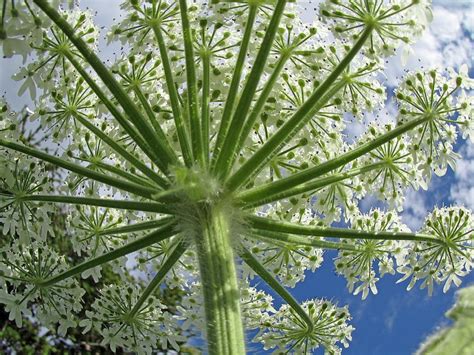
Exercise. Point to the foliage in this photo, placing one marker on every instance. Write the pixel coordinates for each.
(213, 150)
(459, 337)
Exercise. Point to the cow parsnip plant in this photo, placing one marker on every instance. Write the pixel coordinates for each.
(212, 150)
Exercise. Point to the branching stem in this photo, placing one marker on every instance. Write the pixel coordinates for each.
(102, 202)
(279, 187)
(163, 233)
(297, 240)
(343, 233)
(225, 157)
(136, 189)
(260, 270)
(164, 155)
(191, 83)
(234, 85)
(164, 269)
(180, 125)
(254, 197)
(296, 122)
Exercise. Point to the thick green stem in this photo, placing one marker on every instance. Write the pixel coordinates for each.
(136, 189)
(234, 85)
(261, 271)
(296, 122)
(343, 233)
(163, 233)
(219, 279)
(254, 197)
(225, 157)
(191, 83)
(174, 100)
(280, 186)
(164, 155)
(101, 202)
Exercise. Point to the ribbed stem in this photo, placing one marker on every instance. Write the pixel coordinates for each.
(225, 334)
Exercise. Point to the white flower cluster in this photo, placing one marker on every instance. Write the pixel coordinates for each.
(394, 22)
(448, 257)
(286, 331)
(19, 217)
(140, 330)
(373, 258)
(50, 43)
(440, 98)
(396, 169)
(23, 269)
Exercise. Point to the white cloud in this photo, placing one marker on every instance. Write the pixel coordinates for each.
(447, 24)
(415, 209)
(443, 44)
(462, 191)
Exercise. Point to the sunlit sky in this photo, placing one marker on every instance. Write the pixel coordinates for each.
(394, 321)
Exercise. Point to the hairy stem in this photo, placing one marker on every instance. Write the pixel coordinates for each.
(219, 279)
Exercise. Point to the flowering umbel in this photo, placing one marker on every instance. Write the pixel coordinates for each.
(209, 155)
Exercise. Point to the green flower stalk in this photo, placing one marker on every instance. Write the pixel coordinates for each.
(212, 152)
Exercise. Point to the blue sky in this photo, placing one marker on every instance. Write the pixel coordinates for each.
(394, 321)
